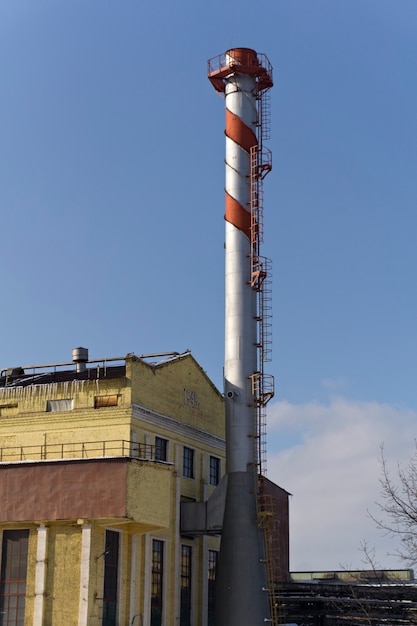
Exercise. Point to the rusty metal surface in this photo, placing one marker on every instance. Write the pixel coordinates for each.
(63, 490)
(278, 529)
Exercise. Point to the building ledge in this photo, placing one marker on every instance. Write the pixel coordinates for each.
(134, 491)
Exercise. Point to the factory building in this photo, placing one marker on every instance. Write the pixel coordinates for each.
(95, 459)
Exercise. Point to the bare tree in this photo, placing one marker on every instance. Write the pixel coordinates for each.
(398, 506)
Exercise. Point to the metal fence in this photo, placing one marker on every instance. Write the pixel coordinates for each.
(80, 450)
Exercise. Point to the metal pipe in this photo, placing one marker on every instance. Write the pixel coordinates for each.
(116, 358)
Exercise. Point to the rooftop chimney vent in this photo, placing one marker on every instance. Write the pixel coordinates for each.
(12, 372)
(80, 357)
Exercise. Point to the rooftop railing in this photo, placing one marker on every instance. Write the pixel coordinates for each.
(82, 450)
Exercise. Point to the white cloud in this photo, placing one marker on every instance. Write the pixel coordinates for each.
(333, 473)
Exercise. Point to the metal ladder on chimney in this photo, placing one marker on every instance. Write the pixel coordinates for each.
(260, 280)
(262, 383)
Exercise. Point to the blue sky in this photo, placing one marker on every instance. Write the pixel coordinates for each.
(112, 202)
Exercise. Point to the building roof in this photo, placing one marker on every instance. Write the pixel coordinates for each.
(54, 375)
(95, 369)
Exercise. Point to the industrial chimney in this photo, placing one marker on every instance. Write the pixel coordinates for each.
(244, 76)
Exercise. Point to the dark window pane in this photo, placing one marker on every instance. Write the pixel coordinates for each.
(111, 566)
(161, 449)
(188, 462)
(214, 470)
(157, 581)
(185, 608)
(13, 577)
(213, 559)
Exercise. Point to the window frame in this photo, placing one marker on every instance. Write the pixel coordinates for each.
(158, 456)
(212, 569)
(8, 581)
(155, 619)
(215, 472)
(106, 401)
(60, 406)
(186, 584)
(111, 620)
(188, 462)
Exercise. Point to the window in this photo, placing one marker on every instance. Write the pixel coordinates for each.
(188, 462)
(53, 406)
(157, 581)
(102, 402)
(185, 608)
(161, 449)
(111, 575)
(13, 577)
(214, 470)
(213, 562)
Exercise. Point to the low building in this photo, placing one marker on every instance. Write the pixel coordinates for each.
(354, 598)
(95, 459)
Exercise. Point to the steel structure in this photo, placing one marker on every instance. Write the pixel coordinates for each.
(356, 603)
(243, 76)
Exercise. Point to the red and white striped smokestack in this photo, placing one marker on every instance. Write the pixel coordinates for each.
(241, 75)
(240, 323)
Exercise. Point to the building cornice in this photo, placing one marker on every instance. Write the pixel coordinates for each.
(179, 428)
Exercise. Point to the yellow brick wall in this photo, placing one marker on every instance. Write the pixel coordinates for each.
(139, 576)
(30, 584)
(95, 603)
(36, 427)
(169, 388)
(63, 575)
(34, 397)
(149, 493)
